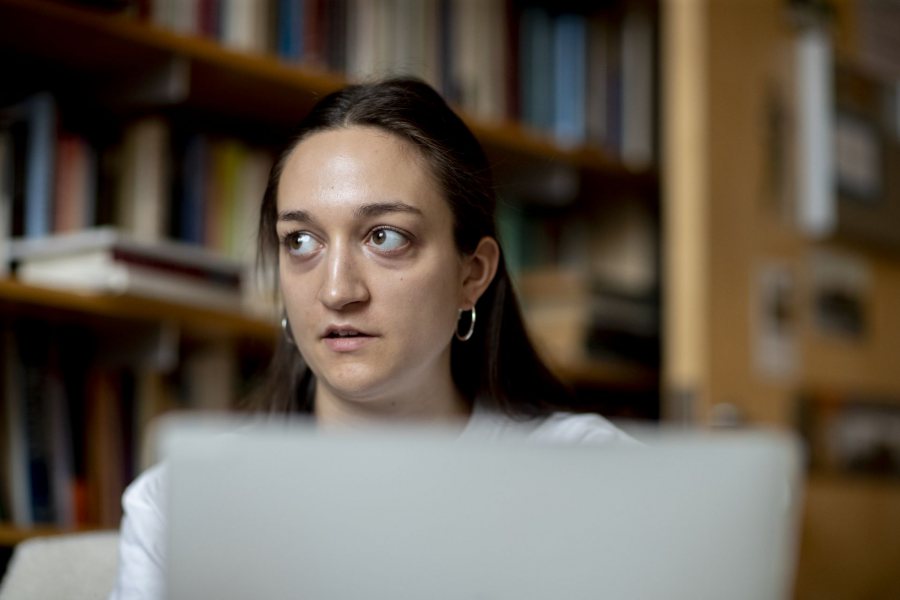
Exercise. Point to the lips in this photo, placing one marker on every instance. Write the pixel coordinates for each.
(345, 338)
(344, 331)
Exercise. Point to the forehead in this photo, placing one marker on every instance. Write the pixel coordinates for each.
(348, 166)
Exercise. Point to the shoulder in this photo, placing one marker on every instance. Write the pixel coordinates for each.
(556, 428)
(572, 428)
(146, 492)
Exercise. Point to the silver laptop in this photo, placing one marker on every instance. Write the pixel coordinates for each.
(285, 512)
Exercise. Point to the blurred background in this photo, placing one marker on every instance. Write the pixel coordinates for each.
(699, 200)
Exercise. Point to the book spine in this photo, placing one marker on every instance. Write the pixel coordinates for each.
(105, 451)
(143, 195)
(75, 184)
(33, 381)
(569, 79)
(15, 451)
(637, 89)
(193, 184)
(39, 165)
(7, 190)
(290, 30)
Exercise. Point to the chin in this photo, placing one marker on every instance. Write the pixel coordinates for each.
(355, 383)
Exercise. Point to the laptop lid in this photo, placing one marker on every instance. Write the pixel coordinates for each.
(282, 511)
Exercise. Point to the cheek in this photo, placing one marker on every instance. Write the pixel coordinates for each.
(296, 296)
(431, 297)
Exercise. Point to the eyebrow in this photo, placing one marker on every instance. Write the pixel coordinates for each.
(364, 211)
(380, 208)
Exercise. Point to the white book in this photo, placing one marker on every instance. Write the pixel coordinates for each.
(183, 16)
(142, 200)
(816, 211)
(360, 39)
(239, 24)
(103, 260)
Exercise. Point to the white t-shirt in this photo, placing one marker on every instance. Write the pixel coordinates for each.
(142, 536)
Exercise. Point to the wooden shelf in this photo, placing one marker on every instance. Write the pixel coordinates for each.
(200, 74)
(17, 297)
(609, 374)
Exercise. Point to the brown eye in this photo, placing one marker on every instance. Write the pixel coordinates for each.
(301, 243)
(387, 240)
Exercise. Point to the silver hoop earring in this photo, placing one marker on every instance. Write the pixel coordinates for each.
(286, 330)
(468, 334)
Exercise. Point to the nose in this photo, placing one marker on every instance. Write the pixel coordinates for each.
(343, 285)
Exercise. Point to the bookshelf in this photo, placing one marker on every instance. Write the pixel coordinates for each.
(109, 68)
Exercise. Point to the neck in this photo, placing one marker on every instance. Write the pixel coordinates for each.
(429, 404)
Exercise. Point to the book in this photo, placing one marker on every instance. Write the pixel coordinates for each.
(536, 66)
(637, 88)
(35, 402)
(142, 199)
(105, 449)
(75, 195)
(290, 30)
(40, 150)
(193, 183)
(569, 77)
(6, 197)
(598, 68)
(15, 450)
(104, 260)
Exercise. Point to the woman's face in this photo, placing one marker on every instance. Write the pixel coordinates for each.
(371, 277)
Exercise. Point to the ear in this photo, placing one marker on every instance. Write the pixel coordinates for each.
(479, 269)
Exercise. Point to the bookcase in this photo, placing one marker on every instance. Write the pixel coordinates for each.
(737, 256)
(182, 92)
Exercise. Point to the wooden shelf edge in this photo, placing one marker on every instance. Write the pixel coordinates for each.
(233, 323)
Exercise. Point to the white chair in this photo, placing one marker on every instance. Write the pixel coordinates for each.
(78, 566)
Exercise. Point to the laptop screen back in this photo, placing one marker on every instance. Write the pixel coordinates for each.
(283, 512)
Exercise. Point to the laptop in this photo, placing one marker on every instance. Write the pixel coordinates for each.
(283, 511)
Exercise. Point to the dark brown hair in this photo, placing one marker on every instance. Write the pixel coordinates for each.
(498, 366)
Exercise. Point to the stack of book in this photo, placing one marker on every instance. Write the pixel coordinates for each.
(104, 260)
(150, 183)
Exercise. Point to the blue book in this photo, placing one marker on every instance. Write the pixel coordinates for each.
(570, 79)
(35, 398)
(194, 182)
(290, 29)
(39, 167)
(536, 56)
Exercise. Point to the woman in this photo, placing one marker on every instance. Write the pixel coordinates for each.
(398, 306)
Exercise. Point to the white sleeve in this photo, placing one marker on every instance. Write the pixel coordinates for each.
(142, 540)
